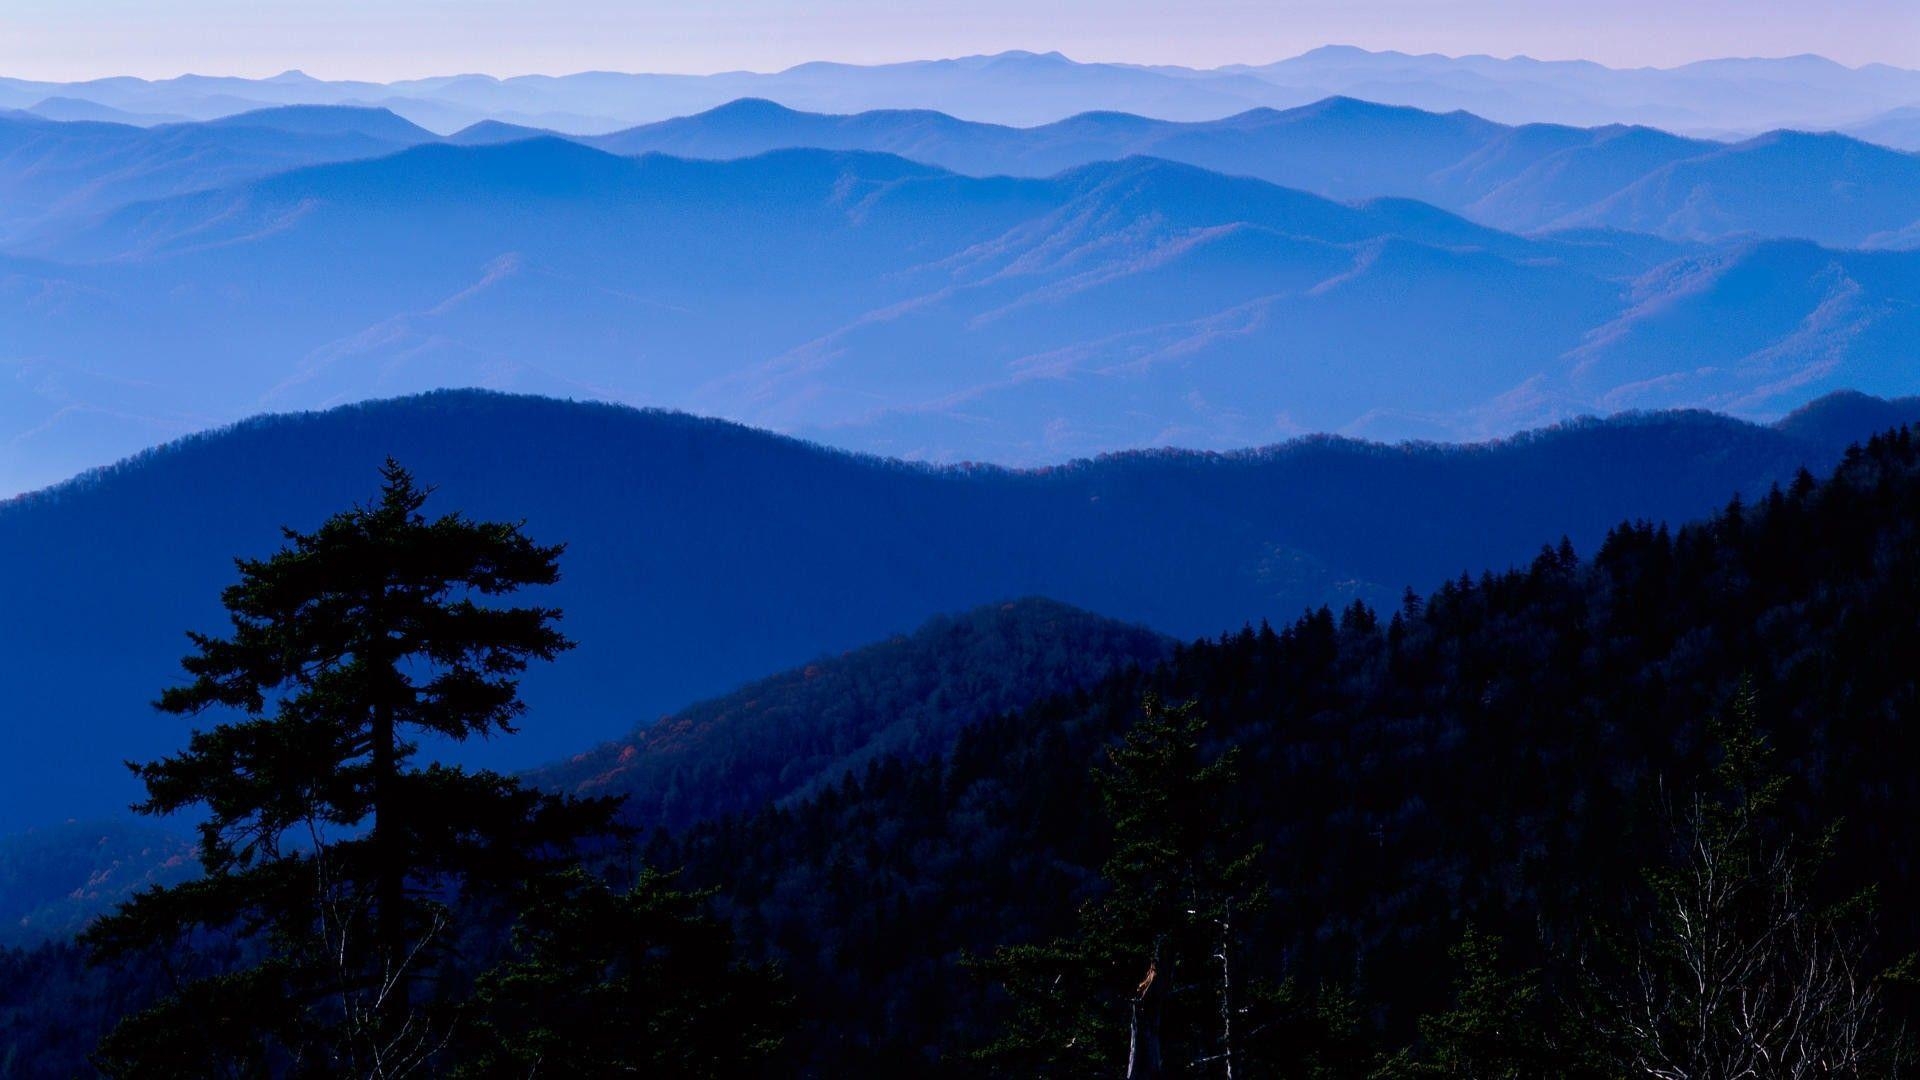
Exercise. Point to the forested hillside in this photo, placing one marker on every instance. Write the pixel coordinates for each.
(1494, 755)
(909, 698)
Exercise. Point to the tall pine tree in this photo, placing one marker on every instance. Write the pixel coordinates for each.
(339, 874)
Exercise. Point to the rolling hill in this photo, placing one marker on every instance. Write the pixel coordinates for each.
(703, 554)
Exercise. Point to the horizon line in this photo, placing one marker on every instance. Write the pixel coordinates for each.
(1143, 65)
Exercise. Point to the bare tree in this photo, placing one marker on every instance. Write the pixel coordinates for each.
(381, 1034)
(1739, 971)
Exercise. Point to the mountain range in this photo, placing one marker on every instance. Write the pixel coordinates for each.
(703, 554)
(1536, 177)
(888, 305)
(1708, 97)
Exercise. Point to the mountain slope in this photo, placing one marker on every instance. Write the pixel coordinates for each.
(1897, 128)
(1502, 754)
(703, 554)
(1827, 188)
(54, 879)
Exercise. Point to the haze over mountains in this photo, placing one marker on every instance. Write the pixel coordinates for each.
(1709, 97)
(702, 554)
(903, 428)
(1214, 293)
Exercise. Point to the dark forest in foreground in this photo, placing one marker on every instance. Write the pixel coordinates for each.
(1416, 833)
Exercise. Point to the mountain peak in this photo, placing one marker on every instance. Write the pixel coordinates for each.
(750, 109)
(374, 121)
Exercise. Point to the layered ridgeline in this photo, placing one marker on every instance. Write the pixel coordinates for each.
(1828, 188)
(1499, 754)
(890, 306)
(1027, 88)
(703, 554)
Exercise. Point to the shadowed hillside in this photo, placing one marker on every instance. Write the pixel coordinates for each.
(786, 736)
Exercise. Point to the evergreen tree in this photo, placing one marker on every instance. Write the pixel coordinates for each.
(1501, 1026)
(1148, 986)
(605, 983)
(338, 872)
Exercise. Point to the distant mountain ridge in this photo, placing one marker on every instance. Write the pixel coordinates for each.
(54, 173)
(702, 554)
(1830, 189)
(1021, 87)
(1526, 178)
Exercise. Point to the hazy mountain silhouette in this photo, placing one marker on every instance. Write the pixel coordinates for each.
(1898, 128)
(1040, 87)
(703, 554)
(1830, 188)
(54, 173)
(67, 109)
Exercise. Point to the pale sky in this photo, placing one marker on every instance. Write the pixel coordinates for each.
(389, 39)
